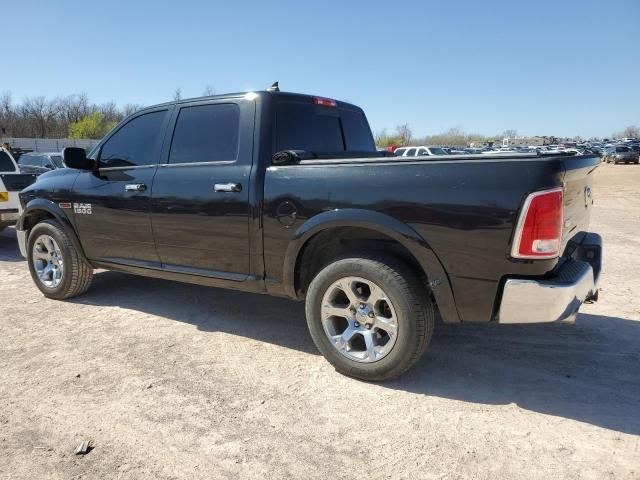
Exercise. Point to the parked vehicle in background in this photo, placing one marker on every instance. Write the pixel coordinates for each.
(11, 182)
(420, 151)
(39, 162)
(622, 154)
(285, 194)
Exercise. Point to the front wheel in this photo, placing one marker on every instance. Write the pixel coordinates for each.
(57, 268)
(370, 317)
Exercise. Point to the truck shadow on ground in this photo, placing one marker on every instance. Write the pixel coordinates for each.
(588, 372)
(9, 251)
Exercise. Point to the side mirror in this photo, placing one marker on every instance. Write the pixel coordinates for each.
(74, 157)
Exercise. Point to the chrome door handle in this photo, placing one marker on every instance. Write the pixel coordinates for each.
(227, 187)
(135, 187)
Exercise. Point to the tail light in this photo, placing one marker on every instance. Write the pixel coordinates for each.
(325, 102)
(539, 228)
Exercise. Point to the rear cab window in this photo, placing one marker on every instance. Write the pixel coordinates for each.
(303, 125)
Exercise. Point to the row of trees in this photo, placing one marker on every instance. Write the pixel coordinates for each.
(458, 137)
(72, 116)
(630, 132)
(454, 137)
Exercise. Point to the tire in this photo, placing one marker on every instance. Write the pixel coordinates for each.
(69, 274)
(405, 300)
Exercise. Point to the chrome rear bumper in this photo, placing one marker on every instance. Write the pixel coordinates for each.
(559, 298)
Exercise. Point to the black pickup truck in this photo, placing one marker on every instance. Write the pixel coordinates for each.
(285, 194)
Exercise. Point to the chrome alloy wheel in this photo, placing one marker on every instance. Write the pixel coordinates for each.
(47, 261)
(359, 319)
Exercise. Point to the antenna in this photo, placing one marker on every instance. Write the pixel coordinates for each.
(274, 87)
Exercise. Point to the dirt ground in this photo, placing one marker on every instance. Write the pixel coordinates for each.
(177, 381)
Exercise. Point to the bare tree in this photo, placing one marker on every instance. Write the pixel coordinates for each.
(177, 95)
(130, 108)
(630, 132)
(511, 133)
(39, 113)
(110, 112)
(73, 107)
(208, 91)
(404, 133)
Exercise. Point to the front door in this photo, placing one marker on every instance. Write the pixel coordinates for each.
(200, 202)
(112, 206)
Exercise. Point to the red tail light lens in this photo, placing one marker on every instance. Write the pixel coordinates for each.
(539, 229)
(325, 102)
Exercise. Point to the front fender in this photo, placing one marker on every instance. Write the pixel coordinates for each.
(380, 222)
(38, 205)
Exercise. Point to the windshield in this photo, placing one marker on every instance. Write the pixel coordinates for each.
(438, 151)
(622, 149)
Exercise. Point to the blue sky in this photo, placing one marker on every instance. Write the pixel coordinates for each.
(563, 67)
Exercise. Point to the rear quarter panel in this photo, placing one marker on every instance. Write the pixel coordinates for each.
(465, 210)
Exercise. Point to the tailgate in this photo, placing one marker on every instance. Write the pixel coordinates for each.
(14, 182)
(578, 194)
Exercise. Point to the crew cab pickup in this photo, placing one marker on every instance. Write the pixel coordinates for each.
(11, 182)
(285, 194)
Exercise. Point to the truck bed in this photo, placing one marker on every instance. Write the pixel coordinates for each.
(464, 207)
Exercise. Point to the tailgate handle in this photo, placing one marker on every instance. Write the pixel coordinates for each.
(135, 187)
(227, 187)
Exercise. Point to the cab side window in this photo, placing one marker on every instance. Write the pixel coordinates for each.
(134, 144)
(206, 133)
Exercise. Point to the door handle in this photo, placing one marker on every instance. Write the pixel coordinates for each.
(227, 187)
(135, 187)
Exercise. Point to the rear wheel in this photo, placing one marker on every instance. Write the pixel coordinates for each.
(370, 317)
(57, 268)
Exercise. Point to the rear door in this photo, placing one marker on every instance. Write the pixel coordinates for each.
(111, 207)
(200, 200)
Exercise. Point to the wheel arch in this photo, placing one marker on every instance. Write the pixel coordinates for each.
(40, 209)
(332, 225)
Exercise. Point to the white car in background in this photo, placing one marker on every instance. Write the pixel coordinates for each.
(421, 151)
(11, 182)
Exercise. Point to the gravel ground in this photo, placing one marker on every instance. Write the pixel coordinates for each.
(180, 381)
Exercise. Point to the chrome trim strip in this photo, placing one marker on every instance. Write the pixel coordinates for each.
(167, 165)
(131, 167)
(193, 164)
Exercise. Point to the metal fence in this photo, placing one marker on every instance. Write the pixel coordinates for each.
(47, 144)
